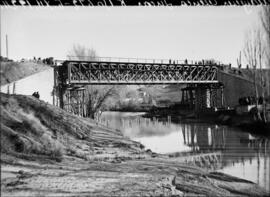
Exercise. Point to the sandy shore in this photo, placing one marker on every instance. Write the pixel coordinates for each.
(122, 176)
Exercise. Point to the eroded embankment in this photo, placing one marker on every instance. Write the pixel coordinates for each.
(47, 151)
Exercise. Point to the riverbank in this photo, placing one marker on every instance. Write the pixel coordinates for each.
(47, 151)
(223, 117)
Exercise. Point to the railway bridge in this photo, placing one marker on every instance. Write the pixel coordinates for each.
(71, 77)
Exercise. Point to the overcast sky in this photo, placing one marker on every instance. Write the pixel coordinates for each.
(171, 33)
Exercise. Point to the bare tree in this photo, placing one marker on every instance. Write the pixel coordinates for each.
(80, 52)
(254, 54)
(96, 95)
(265, 22)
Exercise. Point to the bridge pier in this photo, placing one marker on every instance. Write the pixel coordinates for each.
(74, 101)
(208, 97)
(188, 94)
(200, 99)
(66, 96)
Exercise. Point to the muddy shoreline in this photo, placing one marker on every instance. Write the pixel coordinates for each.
(119, 177)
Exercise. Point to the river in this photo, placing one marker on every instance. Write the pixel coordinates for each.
(214, 147)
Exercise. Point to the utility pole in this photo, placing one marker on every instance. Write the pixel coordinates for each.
(239, 64)
(7, 45)
(0, 39)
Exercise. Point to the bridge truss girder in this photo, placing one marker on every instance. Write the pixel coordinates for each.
(83, 72)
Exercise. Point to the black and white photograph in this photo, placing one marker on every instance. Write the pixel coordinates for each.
(147, 100)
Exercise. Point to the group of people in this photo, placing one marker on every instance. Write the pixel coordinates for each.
(48, 61)
(36, 94)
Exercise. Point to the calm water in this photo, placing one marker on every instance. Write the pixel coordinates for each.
(215, 147)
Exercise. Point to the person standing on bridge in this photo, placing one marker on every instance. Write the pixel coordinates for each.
(38, 95)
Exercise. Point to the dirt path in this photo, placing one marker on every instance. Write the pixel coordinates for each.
(119, 177)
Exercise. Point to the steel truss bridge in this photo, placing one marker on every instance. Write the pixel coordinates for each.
(72, 75)
(156, 72)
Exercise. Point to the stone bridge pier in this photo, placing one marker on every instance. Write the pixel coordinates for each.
(208, 97)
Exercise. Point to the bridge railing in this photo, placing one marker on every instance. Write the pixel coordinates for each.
(129, 59)
(138, 60)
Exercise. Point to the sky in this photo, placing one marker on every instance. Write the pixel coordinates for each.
(192, 33)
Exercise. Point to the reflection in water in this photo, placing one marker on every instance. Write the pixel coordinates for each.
(215, 147)
(242, 154)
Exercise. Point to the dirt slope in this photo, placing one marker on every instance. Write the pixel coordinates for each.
(31, 127)
(46, 151)
(13, 71)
